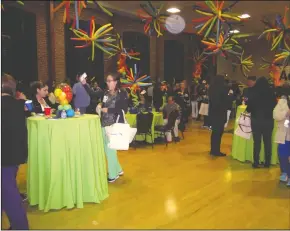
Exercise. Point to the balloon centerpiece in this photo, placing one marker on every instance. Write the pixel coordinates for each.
(64, 95)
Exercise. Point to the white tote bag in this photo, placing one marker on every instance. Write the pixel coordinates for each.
(120, 135)
(244, 129)
(203, 109)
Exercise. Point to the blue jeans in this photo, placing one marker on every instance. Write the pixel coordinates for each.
(11, 199)
(284, 154)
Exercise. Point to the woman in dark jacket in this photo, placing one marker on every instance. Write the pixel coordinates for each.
(261, 104)
(218, 95)
(115, 101)
(40, 97)
(14, 152)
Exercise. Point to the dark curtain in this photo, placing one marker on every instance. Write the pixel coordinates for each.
(79, 60)
(19, 45)
(139, 43)
(173, 61)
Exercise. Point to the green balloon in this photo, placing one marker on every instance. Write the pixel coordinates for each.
(60, 107)
(66, 107)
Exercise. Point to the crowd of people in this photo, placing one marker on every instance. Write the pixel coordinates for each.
(213, 102)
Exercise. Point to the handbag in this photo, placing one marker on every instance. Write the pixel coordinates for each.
(120, 135)
(244, 129)
(203, 109)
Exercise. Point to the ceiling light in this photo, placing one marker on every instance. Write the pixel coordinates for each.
(243, 16)
(173, 10)
(234, 31)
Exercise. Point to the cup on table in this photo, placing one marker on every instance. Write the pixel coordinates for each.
(29, 105)
(47, 111)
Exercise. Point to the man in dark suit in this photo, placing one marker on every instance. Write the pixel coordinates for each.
(247, 91)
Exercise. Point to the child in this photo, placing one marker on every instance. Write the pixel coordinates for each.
(281, 114)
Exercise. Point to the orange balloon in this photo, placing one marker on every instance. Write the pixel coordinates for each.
(62, 96)
(64, 102)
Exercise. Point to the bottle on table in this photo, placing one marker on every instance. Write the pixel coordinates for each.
(63, 114)
(77, 112)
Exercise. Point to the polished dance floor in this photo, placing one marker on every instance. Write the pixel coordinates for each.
(179, 187)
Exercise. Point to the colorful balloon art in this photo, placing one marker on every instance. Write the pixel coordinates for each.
(198, 60)
(245, 64)
(96, 38)
(154, 20)
(123, 54)
(133, 80)
(278, 32)
(216, 17)
(224, 45)
(78, 6)
(63, 94)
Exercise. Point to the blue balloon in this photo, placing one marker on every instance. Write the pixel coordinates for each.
(70, 113)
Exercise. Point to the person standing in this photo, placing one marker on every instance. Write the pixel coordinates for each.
(251, 81)
(194, 97)
(261, 104)
(281, 114)
(150, 94)
(218, 113)
(185, 97)
(115, 101)
(14, 153)
(81, 96)
(40, 98)
(169, 108)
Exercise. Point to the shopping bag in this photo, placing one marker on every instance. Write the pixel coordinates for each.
(120, 135)
(203, 109)
(244, 129)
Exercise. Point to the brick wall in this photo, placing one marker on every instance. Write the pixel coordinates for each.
(121, 24)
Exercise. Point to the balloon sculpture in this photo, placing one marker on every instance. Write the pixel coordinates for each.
(123, 54)
(279, 32)
(96, 38)
(216, 28)
(64, 95)
(198, 60)
(245, 64)
(134, 82)
(154, 20)
(216, 17)
(78, 6)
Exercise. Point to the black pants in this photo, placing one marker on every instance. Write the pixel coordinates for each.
(262, 129)
(206, 122)
(216, 136)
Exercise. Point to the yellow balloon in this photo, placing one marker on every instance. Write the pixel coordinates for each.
(57, 92)
(64, 102)
(62, 96)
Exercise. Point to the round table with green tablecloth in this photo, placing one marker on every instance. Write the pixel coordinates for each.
(157, 121)
(66, 162)
(242, 149)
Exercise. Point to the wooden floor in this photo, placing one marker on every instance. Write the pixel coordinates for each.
(181, 187)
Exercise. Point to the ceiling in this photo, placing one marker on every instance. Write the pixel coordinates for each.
(257, 10)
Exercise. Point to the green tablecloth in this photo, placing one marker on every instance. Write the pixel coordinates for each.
(242, 149)
(66, 162)
(157, 120)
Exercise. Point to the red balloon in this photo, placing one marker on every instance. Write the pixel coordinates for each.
(69, 96)
(66, 89)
